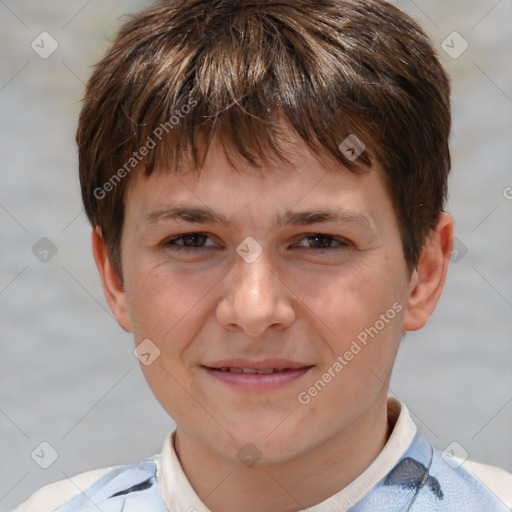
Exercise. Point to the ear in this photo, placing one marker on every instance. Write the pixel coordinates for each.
(112, 286)
(427, 280)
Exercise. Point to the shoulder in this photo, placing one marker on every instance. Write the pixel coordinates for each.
(52, 496)
(449, 482)
(119, 485)
(467, 484)
(497, 480)
(426, 479)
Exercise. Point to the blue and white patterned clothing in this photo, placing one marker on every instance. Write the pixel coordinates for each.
(408, 475)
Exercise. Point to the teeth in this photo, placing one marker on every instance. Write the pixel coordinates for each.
(252, 370)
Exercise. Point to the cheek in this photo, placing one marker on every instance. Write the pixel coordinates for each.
(358, 316)
(342, 300)
(358, 313)
(164, 301)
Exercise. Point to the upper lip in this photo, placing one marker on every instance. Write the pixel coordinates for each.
(264, 364)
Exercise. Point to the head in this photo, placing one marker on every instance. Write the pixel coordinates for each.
(227, 119)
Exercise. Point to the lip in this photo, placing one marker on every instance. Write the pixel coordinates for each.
(254, 381)
(264, 364)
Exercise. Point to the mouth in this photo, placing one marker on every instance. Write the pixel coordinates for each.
(257, 375)
(266, 371)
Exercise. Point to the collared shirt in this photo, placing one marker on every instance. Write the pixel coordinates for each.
(408, 474)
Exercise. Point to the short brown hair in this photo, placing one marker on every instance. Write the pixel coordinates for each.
(231, 68)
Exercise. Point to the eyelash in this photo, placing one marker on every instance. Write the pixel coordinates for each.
(343, 244)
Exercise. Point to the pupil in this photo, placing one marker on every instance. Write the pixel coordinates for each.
(193, 239)
(324, 239)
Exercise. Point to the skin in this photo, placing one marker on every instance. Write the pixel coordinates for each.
(295, 301)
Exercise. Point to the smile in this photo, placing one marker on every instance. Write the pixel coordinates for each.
(257, 379)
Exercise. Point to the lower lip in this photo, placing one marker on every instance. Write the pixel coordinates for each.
(258, 381)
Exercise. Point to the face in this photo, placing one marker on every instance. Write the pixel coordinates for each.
(274, 301)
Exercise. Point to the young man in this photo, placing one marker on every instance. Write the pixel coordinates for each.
(266, 182)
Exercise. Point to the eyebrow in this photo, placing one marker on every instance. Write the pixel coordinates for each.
(203, 215)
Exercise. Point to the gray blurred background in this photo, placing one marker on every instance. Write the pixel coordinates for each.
(69, 377)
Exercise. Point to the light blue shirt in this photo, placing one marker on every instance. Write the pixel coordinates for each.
(421, 481)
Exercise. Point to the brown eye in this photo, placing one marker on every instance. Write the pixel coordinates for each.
(188, 241)
(319, 241)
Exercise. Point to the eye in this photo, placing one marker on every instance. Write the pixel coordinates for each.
(188, 242)
(194, 242)
(319, 241)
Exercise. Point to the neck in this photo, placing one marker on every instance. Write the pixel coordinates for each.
(290, 485)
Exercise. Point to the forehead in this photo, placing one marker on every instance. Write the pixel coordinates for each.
(304, 189)
(290, 154)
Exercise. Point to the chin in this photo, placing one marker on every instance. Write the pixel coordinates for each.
(271, 443)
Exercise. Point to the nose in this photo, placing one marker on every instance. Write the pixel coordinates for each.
(255, 299)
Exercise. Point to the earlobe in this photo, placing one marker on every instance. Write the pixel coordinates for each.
(113, 288)
(429, 277)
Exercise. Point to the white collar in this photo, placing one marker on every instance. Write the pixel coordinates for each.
(179, 496)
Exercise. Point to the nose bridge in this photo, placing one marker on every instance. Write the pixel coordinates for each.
(254, 281)
(255, 298)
